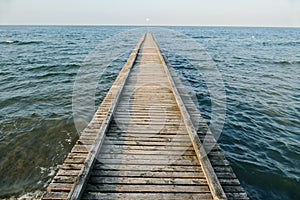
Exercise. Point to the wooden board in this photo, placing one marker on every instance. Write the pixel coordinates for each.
(139, 196)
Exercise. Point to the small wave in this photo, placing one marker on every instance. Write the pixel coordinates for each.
(291, 43)
(17, 42)
(55, 74)
(237, 57)
(11, 41)
(54, 68)
(285, 62)
(201, 37)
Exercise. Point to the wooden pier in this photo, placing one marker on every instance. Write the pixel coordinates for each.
(142, 142)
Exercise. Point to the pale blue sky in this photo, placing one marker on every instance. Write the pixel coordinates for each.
(161, 12)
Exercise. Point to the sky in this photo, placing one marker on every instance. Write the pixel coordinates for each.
(160, 12)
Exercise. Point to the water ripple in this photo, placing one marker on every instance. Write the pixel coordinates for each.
(260, 69)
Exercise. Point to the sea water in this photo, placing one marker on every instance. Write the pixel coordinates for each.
(260, 68)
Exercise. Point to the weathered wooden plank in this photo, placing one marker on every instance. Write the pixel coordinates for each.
(63, 172)
(147, 188)
(55, 196)
(221, 169)
(229, 182)
(87, 137)
(80, 149)
(146, 168)
(149, 120)
(147, 139)
(75, 160)
(150, 127)
(146, 174)
(71, 166)
(161, 104)
(145, 110)
(220, 162)
(139, 196)
(143, 137)
(146, 143)
(147, 157)
(148, 148)
(85, 141)
(162, 110)
(225, 175)
(153, 161)
(149, 152)
(137, 147)
(147, 181)
(59, 187)
(237, 196)
(233, 189)
(81, 154)
(89, 134)
(64, 179)
(143, 117)
(149, 89)
(142, 133)
(141, 114)
(164, 151)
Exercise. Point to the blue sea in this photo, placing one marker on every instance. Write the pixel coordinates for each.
(260, 68)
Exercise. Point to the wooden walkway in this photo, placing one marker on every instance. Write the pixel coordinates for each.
(142, 142)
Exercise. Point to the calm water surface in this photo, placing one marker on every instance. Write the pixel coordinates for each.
(261, 72)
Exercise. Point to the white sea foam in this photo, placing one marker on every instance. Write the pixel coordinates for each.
(28, 196)
(9, 41)
(32, 195)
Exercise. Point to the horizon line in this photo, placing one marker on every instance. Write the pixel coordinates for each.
(159, 25)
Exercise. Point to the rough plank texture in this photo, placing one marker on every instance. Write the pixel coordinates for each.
(138, 145)
(147, 148)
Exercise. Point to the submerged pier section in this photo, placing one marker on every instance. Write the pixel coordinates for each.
(142, 142)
